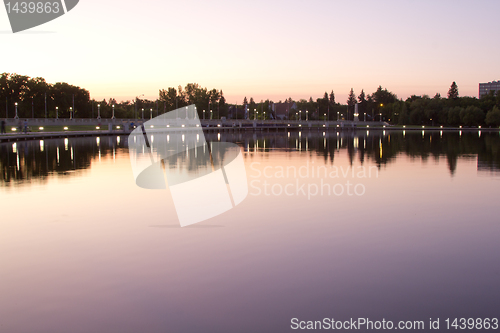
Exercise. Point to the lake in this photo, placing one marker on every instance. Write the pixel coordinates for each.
(393, 225)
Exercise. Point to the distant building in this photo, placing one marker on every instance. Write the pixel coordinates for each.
(485, 88)
(282, 110)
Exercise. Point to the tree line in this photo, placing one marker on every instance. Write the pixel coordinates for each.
(37, 98)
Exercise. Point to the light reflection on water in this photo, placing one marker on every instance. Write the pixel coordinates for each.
(83, 249)
(35, 160)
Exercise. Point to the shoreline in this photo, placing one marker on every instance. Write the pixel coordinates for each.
(15, 136)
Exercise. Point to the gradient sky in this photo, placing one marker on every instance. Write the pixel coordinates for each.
(265, 49)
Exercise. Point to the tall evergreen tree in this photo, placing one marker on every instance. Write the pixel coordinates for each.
(332, 98)
(453, 91)
(362, 105)
(351, 101)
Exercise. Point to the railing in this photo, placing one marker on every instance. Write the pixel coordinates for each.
(204, 122)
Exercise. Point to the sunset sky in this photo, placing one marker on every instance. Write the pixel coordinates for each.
(264, 49)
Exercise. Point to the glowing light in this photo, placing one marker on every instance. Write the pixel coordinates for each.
(168, 125)
(182, 125)
(118, 127)
(118, 139)
(42, 145)
(151, 126)
(13, 129)
(65, 128)
(14, 147)
(40, 128)
(97, 127)
(218, 125)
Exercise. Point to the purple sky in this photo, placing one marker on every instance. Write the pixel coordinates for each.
(264, 49)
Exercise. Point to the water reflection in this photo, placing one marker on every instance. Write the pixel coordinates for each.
(27, 161)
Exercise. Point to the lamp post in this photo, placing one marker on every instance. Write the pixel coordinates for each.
(324, 116)
(264, 115)
(151, 114)
(142, 114)
(70, 112)
(307, 115)
(98, 111)
(203, 114)
(211, 114)
(113, 114)
(16, 117)
(57, 112)
(338, 114)
(300, 115)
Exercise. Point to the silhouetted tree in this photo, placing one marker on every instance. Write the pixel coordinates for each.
(453, 91)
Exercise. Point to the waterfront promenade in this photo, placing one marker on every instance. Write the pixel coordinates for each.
(57, 128)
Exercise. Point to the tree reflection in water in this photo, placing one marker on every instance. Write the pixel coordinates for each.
(34, 161)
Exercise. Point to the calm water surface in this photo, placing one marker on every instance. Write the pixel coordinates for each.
(83, 249)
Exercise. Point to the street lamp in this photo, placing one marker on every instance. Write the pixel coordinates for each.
(57, 112)
(300, 114)
(16, 117)
(98, 111)
(151, 114)
(324, 116)
(307, 115)
(254, 114)
(142, 114)
(113, 114)
(211, 114)
(264, 115)
(338, 114)
(70, 112)
(203, 114)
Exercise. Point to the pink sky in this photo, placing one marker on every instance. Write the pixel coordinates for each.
(263, 49)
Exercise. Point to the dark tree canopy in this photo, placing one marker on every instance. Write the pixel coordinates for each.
(453, 91)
